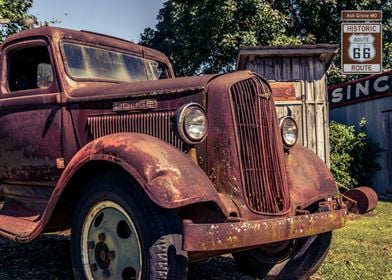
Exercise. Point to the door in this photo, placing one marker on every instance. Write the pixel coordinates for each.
(30, 117)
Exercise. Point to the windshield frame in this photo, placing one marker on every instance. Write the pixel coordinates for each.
(137, 55)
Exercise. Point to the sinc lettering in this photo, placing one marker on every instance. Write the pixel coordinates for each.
(337, 95)
(361, 90)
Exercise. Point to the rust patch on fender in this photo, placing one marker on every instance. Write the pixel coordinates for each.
(309, 178)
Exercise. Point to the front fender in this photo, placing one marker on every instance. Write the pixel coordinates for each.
(309, 177)
(168, 176)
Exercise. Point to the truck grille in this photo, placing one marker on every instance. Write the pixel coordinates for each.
(260, 149)
(156, 124)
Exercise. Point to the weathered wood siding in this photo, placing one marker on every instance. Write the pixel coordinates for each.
(310, 110)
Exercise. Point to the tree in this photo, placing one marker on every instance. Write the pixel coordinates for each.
(15, 17)
(204, 36)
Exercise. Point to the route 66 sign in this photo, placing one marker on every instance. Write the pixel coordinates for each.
(361, 47)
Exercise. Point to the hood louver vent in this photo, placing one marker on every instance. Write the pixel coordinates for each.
(155, 124)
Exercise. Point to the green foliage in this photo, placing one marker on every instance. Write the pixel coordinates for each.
(353, 154)
(17, 13)
(342, 139)
(204, 36)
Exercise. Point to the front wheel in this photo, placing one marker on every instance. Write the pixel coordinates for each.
(289, 260)
(119, 233)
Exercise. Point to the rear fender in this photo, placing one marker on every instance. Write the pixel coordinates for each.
(309, 177)
(168, 176)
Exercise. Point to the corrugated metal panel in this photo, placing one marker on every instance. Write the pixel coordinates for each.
(311, 109)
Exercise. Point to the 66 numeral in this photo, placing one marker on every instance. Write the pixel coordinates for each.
(364, 54)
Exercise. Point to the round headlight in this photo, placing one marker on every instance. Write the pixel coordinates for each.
(289, 131)
(192, 123)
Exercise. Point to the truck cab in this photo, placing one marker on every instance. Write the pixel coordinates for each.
(150, 171)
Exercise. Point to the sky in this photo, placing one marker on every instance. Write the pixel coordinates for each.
(120, 18)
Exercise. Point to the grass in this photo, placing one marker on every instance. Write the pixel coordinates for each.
(362, 249)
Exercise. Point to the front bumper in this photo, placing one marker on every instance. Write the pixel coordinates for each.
(237, 235)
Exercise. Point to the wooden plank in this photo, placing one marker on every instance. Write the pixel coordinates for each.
(295, 68)
(311, 81)
(269, 69)
(297, 114)
(304, 116)
(286, 69)
(327, 150)
(311, 124)
(304, 69)
(321, 83)
(320, 140)
(281, 110)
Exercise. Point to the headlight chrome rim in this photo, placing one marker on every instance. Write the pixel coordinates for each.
(283, 126)
(182, 123)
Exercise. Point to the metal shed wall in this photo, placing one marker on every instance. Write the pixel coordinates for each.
(375, 105)
(378, 114)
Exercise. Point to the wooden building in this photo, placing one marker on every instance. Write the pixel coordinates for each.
(299, 84)
(369, 98)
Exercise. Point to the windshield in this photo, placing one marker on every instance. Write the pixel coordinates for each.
(92, 63)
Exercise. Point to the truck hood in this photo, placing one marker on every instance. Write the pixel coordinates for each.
(140, 89)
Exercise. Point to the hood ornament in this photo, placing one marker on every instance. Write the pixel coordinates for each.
(267, 95)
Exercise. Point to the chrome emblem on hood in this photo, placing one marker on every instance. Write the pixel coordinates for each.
(135, 105)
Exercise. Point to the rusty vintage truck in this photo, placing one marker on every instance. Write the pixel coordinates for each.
(150, 171)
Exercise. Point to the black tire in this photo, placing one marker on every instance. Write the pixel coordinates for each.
(119, 233)
(298, 260)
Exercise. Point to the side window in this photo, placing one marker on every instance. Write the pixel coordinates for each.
(29, 68)
(155, 70)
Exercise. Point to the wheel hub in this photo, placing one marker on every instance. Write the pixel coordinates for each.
(101, 255)
(110, 245)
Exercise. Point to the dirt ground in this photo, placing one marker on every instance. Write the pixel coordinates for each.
(48, 257)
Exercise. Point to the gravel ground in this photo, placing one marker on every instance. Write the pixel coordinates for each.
(48, 257)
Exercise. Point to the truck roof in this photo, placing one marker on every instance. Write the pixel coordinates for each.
(85, 36)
